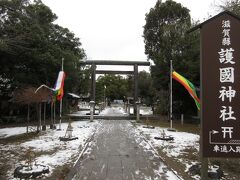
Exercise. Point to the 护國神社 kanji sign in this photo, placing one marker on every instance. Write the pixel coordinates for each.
(220, 85)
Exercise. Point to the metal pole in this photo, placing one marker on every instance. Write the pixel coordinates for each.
(54, 114)
(171, 94)
(60, 115)
(62, 63)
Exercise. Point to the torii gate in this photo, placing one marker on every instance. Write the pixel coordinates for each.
(135, 65)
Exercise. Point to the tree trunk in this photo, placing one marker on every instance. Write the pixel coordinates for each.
(40, 116)
(44, 117)
(37, 115)
(28, 116)
(44, 114)
(51, 113)
(54, 113)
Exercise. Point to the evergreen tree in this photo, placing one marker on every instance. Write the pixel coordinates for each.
(232, 5)
(116, 87)
(166, 39)
(32, 48)
(145, 88)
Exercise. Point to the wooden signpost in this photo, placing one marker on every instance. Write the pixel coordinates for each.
(220, 74)
(220, 87)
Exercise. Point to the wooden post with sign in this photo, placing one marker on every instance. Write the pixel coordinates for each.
(220, 88)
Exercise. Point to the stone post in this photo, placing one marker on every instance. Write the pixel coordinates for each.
(125, 106)
(138, 111)
(129, 107)
(182, 119)
(92, 104)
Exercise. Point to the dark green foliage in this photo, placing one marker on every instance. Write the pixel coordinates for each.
(145, 88)
(116, 87)
(164, 31)
(166, 39)
(232, 5)
(32, 47)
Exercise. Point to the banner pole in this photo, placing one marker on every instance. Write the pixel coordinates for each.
(60, 113)
(171, 94)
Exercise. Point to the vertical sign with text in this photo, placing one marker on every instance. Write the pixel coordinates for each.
(220, 38)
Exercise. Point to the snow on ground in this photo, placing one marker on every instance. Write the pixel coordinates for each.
(113, 111)
(47, 146)
(7, 132)
(81, 113)
(50, 141)
(148, 147)
(119, 111)
(144, 110)
(54, 153)
(174, 149)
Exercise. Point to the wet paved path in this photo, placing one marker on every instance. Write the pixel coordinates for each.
(118, 153)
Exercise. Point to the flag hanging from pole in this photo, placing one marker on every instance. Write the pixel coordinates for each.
(58, 88)
(189, 86)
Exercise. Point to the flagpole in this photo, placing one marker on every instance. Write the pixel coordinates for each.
(60, 115)
(171, 94)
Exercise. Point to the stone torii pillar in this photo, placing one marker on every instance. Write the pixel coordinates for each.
(93, 85)
(93, 82)
(135, 97)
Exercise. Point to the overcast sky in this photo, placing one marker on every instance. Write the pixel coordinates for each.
(113, 29)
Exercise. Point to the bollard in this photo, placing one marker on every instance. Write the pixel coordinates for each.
(128, 106)
(99, 107)
(182, 119)
(92, 104)
(138, 111)
(125, 107)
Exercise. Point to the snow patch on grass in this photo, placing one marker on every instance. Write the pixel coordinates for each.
(8, 132)
(175, 148)
(47, 147)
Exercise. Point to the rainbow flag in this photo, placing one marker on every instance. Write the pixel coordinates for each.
(189, 86)
(58, 88)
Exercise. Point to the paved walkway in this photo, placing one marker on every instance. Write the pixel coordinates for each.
(119, 153)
